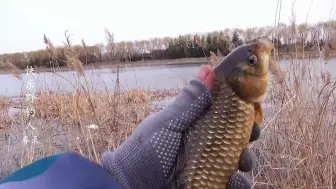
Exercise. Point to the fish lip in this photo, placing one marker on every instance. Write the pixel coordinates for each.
(262, 75)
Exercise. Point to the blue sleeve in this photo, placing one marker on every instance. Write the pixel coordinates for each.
(66, 171)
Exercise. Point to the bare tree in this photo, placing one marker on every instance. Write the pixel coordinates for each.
(101, 48)
(129, 50)
(121, 50)
(141, 46)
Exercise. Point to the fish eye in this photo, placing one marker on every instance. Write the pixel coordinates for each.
(252, 59)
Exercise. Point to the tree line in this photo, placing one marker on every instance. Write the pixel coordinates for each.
(316, 37)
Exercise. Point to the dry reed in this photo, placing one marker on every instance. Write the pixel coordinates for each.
(11, 68)
(297, 145)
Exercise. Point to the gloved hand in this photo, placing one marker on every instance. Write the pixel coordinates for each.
(247, 161)
(147, 157)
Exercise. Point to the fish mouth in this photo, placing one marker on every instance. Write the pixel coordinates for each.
(262, 75)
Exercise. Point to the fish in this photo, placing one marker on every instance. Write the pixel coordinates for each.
(212, 145)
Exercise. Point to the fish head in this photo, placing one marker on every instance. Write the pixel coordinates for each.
(246, 69)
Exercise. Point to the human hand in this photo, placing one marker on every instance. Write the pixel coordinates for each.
(206, 74)
(148, 156)
(246, 164)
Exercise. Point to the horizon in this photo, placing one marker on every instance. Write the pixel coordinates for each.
(89, 21)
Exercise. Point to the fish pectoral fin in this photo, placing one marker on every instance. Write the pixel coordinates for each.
(258, 114)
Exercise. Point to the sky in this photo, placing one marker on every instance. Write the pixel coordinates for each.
(24, 22)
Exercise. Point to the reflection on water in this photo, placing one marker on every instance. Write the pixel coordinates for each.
(156, 77)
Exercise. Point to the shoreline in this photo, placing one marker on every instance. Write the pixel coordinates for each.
(166, 62)
(110, 65)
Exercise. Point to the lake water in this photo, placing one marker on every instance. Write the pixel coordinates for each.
(156, 77)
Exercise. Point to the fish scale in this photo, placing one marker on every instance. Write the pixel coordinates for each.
(216, 140)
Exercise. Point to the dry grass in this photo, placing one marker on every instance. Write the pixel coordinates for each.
(87, 131)
(5, 103)
(76, 110)
(297, 145)
(64, 107)
(11, 68)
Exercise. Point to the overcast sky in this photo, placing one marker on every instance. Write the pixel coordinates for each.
(23, 22)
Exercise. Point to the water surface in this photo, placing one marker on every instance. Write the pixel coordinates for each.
(155, 77)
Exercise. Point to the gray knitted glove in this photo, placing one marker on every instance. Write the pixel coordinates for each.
(146, 158)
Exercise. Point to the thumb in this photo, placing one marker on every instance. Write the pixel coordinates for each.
(206, 74)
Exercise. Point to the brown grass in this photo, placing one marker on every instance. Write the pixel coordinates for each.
(64, 106)
(5, 103)
(297, 145)
(74, 112)
(11, 68)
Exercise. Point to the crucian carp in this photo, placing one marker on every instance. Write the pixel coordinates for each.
(213, 144)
